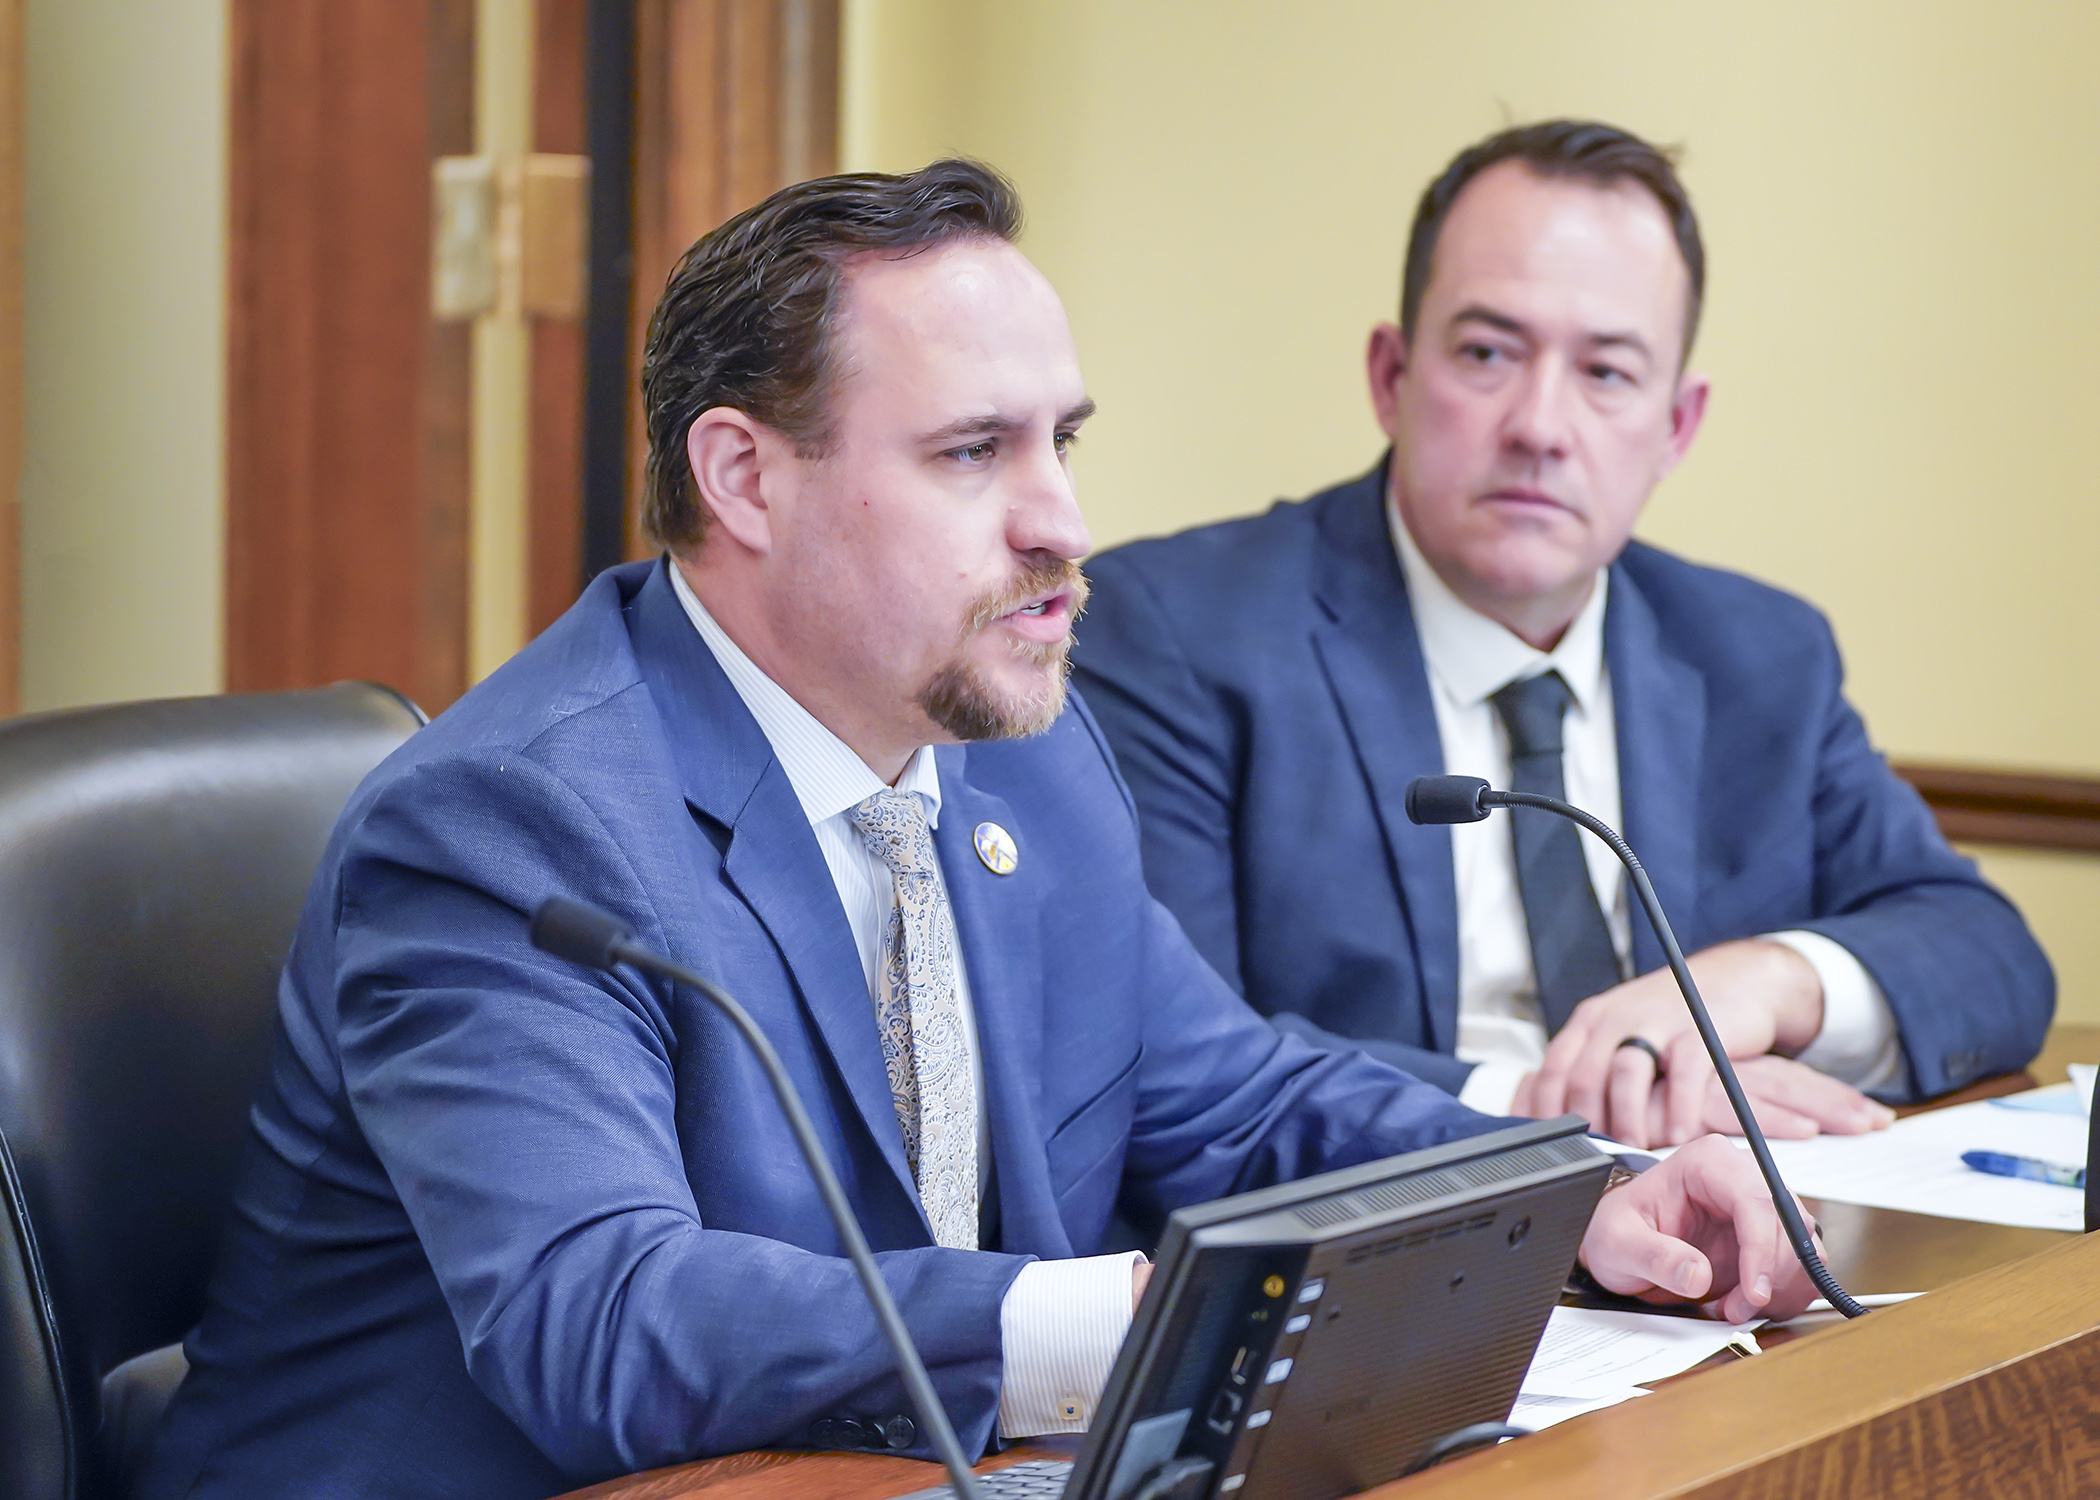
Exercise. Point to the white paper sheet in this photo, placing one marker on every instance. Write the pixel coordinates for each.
(1591, 1352)
(1534, 1412)
(1915, 1165)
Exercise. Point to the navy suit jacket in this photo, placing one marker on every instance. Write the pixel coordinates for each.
(507, 1226)
(1263, 686)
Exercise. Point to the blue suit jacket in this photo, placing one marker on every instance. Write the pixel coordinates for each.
(507, 1226)
(1263, 686)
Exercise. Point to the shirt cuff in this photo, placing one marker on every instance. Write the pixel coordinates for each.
(1858, 1044)
(1492, 1087)
(1061, 1325)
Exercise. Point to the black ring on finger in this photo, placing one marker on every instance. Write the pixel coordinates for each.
(1648, 1047)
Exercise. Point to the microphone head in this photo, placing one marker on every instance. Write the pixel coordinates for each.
(1446, 799)
(582, 934)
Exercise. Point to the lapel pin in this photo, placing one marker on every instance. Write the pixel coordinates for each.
(995, 846)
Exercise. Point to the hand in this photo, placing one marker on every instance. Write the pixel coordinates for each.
(1140, 1278)
(1698, 1227)
(1792, 1102)
(1763, 997)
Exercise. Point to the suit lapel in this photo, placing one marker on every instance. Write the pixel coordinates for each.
(1373, 660)
(729, 776)
(995, 922)
(1659, 703)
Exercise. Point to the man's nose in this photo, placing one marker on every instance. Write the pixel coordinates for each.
(1540, 421)
(1043, 514)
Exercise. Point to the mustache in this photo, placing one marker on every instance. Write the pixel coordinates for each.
(1041, 573)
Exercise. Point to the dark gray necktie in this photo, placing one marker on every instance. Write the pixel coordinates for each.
(1571, 949)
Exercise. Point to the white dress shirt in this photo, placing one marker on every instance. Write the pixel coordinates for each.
(1062, 1321)
(1469, 659)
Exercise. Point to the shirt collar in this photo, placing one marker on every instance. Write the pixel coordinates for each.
(827, 776)
(1471, 657)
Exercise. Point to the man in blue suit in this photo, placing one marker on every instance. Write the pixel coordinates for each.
(508, 1226)
(1475, 605)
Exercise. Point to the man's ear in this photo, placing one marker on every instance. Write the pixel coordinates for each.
(729, 453)
(1687, 412)
(1385, 362)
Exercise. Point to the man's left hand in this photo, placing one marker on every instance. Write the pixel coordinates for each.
(1763, 997)
(1700, 1227)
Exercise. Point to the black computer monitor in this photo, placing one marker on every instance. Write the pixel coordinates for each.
(1315, 1339)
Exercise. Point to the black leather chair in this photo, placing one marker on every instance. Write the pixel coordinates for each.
(153, 860)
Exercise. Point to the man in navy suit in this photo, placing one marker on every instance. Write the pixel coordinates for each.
(1474, 605)
(509, 1226)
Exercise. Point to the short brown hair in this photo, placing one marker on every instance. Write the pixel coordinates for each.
(746, 318)
(1581, 149)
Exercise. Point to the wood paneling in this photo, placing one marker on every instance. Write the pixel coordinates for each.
(554, 554)
(347, 455)
(2001, 807)
(734, 99)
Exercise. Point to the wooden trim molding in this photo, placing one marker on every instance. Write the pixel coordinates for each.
(1976, 806)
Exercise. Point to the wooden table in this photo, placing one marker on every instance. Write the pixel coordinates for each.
(1869, 1250)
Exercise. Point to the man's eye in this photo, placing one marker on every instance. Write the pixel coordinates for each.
(1479, 354)
(976, 453)
(1610, 375)
(1065, 440)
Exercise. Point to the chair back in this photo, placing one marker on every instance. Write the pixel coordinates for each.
(153, 861)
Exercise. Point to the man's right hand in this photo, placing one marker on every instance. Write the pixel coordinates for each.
(1698, 1227)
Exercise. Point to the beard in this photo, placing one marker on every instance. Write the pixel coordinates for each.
(962, 699)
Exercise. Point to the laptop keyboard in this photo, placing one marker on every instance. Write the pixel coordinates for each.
(1038, 1479)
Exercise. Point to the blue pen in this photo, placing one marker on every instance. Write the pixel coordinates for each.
(2000, 1165)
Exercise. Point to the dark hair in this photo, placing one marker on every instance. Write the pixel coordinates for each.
(746, 318)
(1582, 149)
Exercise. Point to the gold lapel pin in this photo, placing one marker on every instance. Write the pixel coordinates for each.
(995, 846)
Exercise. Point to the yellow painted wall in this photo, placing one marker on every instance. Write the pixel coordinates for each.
(123, 350)
(1902, 205)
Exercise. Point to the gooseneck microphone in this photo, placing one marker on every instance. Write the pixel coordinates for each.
(599, 940)
(1468, 799)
